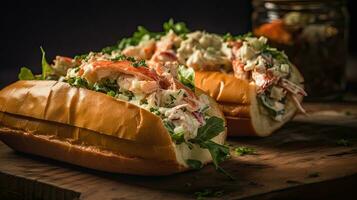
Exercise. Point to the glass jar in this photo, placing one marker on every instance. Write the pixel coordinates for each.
(313, 33)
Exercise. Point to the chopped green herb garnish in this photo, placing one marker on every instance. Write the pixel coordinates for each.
(76, 69)
(189, 144)
(204, 109)
(111, 93)
(143, 101)
(131, 59)
(172, 97)
(229, 36)
(178, 137)
(81, 57)
(194, 164)
(275, 53)
(241, 151)
(110, 49)
(155, 111)
(169, 126)
(343, 142)
(314, 175)
(78, 82)
(208, 193)
(128, 94)
(105, 86)
(140, 63)
(119, 58)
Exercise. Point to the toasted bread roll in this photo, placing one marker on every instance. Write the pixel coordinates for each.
(91, 129)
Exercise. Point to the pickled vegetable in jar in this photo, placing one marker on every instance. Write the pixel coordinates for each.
(314, 36)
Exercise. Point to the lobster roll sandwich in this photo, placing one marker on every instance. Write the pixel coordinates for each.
(112, 113)
(255, 85)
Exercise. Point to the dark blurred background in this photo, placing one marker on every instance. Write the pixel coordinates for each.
(74, 27)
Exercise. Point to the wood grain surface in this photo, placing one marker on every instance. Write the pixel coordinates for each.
(312, 157)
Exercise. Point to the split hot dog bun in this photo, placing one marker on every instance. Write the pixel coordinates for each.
(87, 128)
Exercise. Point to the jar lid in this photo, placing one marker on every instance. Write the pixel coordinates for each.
(298, 4)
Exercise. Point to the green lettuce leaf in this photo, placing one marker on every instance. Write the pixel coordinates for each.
(46, 68)
(213, 127)
(186, 76)
(26, 74)
(268, 104)
(219, 153)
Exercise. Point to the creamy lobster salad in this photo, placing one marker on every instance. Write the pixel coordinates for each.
(247, 57)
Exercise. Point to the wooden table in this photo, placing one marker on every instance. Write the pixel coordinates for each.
(313, 157)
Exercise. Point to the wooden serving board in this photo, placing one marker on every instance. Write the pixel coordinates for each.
(306, 159)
